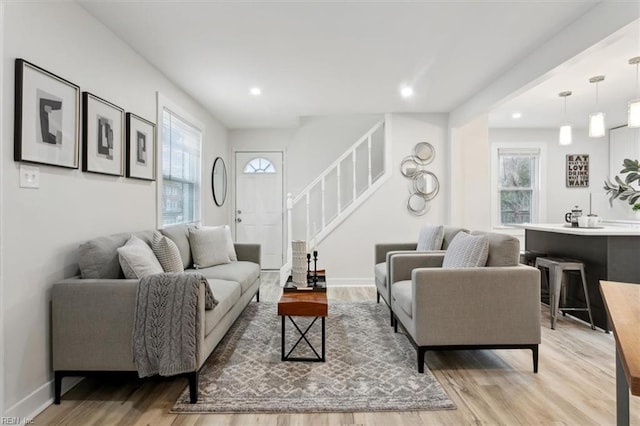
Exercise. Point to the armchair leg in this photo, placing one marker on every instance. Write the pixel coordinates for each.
(377, 297)
(57, 387)
(534, 349)
(421, 352)
(258, 296)
(193, 387)
(393, 320)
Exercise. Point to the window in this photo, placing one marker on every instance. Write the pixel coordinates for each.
(181, 175)
(518, 183)
(259, 165)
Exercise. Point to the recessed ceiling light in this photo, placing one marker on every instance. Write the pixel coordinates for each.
(516, 115)
(255, 91)
(406, 92)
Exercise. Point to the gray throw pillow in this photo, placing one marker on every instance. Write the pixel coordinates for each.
(167, 253)
(209, 246)
(430, 237)
(137, 259)
(466, 251)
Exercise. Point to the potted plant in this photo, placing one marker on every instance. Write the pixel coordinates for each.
(624, 189)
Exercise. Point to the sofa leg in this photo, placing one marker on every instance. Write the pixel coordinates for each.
(421, 353)
(377, 297)
(393, 320)
(193, 387)
(57, 387)
(535, 358)
(258, 296)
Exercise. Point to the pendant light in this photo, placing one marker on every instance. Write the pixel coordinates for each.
(634, 105)
(596, 119)
(565, 129)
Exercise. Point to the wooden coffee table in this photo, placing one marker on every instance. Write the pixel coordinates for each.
(303, 303)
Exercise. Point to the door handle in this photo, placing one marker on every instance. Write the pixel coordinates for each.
(238, 220)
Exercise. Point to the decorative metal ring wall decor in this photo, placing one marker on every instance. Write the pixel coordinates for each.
(408, 166)
(424, 153)
(417, 205)
(424, 185)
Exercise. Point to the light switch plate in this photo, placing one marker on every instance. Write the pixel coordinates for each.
(29, 177)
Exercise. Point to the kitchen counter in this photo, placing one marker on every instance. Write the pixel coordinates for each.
(602, 230)
(610, 253)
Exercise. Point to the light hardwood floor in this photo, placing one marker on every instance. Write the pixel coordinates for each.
(575, 386)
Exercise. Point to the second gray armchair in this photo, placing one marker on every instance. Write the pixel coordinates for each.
(496, 306)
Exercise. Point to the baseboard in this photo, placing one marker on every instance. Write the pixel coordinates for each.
(349, 282)
(36, 402)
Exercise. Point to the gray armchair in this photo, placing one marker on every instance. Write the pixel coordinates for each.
(492, 307)
(383, 253)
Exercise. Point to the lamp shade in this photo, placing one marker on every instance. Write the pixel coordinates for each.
(596, 125)
(634, 113)
(565, 134)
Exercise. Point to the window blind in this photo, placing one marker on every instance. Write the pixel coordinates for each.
(181, 165)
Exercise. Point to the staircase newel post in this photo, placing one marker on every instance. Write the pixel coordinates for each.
(289, 227)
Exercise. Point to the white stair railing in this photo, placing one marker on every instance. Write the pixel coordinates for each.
(323, 205)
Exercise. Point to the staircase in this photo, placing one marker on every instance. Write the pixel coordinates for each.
(338, 191)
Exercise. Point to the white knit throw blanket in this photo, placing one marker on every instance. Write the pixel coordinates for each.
(167, 323)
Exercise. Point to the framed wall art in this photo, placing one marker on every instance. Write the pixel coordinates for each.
(47, 117)
(102, 136)
(577, 171)
(141, 144)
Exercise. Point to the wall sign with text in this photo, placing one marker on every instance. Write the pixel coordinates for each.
(577, 170)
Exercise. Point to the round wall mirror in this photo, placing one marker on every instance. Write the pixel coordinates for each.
(424, 152)
(417, 205)
(426, 184)
(408, 167)
(219, 181)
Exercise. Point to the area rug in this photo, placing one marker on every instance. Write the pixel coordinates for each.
(368, 367)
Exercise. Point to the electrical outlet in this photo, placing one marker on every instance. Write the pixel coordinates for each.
(29, 177)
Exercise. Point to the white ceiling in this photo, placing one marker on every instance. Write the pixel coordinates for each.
(327, 57)
(541, 106)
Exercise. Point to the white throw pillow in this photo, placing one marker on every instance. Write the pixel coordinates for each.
(466, 251)
(430, 237)
(137, 259)
(209, 246)
(167, 253)
(230, 247)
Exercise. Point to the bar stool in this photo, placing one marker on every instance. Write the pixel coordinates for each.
(557, 268)
(528, 257)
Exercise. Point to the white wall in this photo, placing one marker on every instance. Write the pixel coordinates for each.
(470, 176)
(319, 142)
(383, 217)
(41, 229)
(348, 252)
(561, 199)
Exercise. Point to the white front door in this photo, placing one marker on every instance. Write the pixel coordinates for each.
(259, 209)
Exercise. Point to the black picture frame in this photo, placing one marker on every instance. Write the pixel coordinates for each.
(47, 117)
(141, 148)
(577, 170)
(102, 136)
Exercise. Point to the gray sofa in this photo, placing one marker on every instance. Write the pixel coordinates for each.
(383, 253)
(494, 306)
(93, 316)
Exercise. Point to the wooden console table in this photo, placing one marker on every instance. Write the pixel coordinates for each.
(622, 301)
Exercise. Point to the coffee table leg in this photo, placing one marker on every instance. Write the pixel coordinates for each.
(282, 353)
(323, 339)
